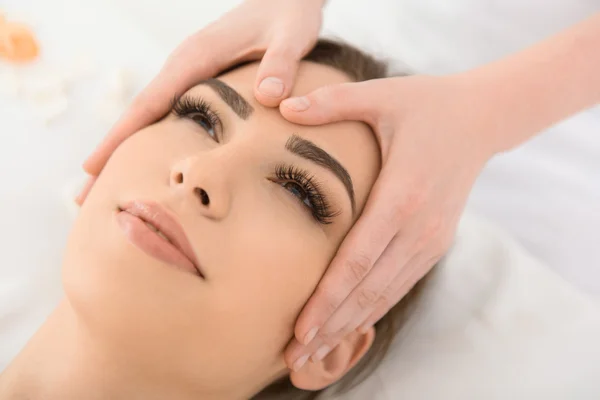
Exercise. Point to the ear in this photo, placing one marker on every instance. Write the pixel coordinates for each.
(318, 375)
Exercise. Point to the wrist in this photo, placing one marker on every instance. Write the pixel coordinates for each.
(493, 105)
(486, 114)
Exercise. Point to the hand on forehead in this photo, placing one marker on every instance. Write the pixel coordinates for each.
(351, 143)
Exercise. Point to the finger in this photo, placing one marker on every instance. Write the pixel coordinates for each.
(367, 295)
(277, 71)
(355, 258)
(359, 306)
(176, 77)
(296, 354)
(321, 345)
(401, 286)
(85, 191)
(345, 101)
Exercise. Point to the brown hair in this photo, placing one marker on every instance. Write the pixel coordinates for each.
(358, 66)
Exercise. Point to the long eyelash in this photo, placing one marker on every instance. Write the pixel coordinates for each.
(184, 106)
(322, 210)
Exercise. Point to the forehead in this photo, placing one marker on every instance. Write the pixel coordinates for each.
(310, 76)
(351, 143)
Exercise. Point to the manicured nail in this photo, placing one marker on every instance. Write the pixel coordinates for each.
(300, 362)
(321, 353)
(272, 87)
(297, 103)
(310, 336)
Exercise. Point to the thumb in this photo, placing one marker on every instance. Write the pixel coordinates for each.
(345, 101)
(277, 72)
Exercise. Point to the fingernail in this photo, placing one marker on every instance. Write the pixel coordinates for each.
(310, 335)
(297, 103)
(321, 353)
(300, 362)
(272, 87)
(364, 328)
(84, 191)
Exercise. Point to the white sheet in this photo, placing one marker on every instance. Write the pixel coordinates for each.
(546, 194)
(518, 331)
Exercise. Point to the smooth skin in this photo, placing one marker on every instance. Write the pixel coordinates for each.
(436, 133)
(134, 327)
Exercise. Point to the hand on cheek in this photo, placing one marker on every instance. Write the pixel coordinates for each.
(408, 223)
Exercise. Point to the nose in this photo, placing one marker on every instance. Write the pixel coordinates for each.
(206, 189)
(202, 195)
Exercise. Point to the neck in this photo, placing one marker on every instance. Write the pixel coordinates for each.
(64, 361)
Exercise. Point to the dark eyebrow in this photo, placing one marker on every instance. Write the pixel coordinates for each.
(233, 99)
(310, 151)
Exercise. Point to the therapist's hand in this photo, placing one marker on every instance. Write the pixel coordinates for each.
(435, 134)
(430, 130)
(280, 32)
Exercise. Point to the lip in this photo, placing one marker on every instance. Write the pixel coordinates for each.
(132, 218)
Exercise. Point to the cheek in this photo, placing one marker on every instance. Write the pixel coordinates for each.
(93, 233)
(273, 267)
(143, 161)
(127, 298)
(266, 259)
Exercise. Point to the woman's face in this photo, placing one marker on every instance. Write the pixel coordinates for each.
(279, 205)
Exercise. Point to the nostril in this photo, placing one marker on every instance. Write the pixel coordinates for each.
(201, 193)
(179, 178)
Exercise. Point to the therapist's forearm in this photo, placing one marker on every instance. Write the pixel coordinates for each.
(542, 85)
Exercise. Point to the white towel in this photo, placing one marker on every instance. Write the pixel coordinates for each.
(494, 324)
